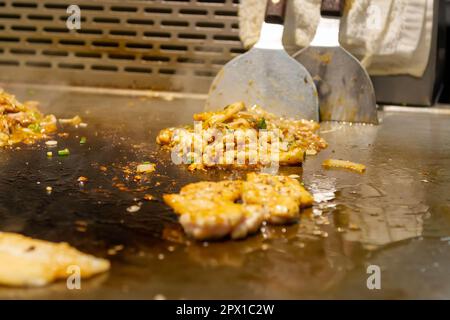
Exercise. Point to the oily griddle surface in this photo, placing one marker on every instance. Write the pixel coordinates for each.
(396, 215)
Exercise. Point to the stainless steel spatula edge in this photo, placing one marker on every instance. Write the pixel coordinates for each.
(267, 75)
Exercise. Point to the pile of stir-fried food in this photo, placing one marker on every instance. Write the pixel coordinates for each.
(214, 210)
(22, 122)
(223, 129)
(235, 209)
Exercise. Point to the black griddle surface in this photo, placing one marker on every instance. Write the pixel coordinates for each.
(396, 215)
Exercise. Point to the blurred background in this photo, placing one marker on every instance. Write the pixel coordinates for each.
(171, 45)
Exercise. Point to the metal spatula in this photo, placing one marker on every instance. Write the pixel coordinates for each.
(267, 75)
(345, 90)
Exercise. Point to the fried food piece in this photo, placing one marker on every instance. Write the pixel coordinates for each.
(208, 210)
(291, 157)
(208, 220)
(334, 163)
(146, 168)
(203, 116)
(211, 219)
(213, 210)
(29, 262)
(165, 136)
(281, 196)
(196, 166)
(225, 114)
(222, 190)
(254, 216)
(75, 121)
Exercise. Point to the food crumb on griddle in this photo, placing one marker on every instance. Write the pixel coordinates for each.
(344, 164)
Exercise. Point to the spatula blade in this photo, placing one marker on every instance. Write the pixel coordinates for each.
(344, 86)
(270, 78)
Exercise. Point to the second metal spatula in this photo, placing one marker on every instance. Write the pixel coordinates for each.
(345, 90)
(267, 75)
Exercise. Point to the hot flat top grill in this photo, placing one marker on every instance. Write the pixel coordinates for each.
(396, 215)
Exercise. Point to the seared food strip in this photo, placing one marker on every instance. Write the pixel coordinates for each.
(22, 122)
(344, 164)
(259, 130)
(213, 210)
(29, 262)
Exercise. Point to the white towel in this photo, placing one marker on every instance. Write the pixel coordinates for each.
(389, 36)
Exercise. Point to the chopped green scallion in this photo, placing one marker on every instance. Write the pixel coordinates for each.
(262, 124)
(64, 152)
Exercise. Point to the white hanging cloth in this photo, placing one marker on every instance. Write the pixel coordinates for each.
(389, 36)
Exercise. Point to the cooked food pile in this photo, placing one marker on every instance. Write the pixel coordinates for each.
(28, 262)
(214, 210)
(22, 122)
(294, 138)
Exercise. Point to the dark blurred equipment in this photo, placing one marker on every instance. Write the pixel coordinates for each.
(160, 45)
(445, 98)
